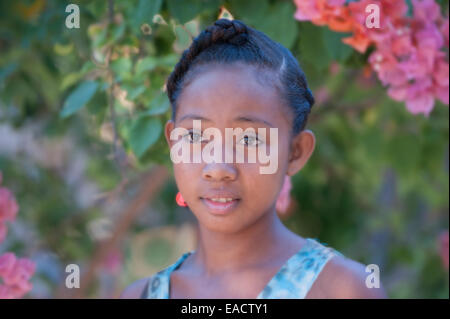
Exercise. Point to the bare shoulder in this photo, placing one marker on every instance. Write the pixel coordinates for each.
(344, 278)
(135, 289)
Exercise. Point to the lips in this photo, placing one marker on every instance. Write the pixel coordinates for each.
(220, 208)
(217, 195)
(220, 202)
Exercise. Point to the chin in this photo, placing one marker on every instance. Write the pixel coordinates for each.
(221, 225)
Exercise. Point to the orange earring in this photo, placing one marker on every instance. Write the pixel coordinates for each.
(180, 201)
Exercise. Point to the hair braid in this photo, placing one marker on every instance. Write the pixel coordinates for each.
(222, 31)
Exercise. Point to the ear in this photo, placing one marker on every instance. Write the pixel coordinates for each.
(302, 147)
(167, 130)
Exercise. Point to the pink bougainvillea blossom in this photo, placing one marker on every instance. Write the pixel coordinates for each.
(18, 272)
(8, 205)
(307, 10)
(409, 54)
(445, 31)
(113, 261)
(3, 231)
(426, 10)
(443, 248)
(15, 273)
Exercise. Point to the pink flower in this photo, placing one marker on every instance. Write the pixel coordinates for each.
(444, 30)
(7, 262)
(358, 10)
(6, 292)
(322, 95)
(443, 248)
(419, 64)
(3, 231)
(426, 10)
(113, 261)
(11, 292)
(441, 73)
(421, 102)
(441, 80)
(394, 9)
(419, 96)
(334, 68)
(429, 36)
(442, 93)
(402, 45)
(336, 3)
(16, 274)
(307, 10)
(398, 93)
(8, 205)
(284, 198)
(408, 56)
(20, 274)
(386, 65)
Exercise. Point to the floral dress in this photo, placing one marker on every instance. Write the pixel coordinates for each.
(292, 281)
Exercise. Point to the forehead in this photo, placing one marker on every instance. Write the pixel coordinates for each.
(222, 92)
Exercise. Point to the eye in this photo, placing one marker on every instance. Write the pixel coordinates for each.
(193, 137)
(250, 140)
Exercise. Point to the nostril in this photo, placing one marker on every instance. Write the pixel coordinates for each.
(219, 171)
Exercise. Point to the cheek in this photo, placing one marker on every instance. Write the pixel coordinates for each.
(260, 189)
(185, 175)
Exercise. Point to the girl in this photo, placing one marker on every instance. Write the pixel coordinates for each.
(233, 76)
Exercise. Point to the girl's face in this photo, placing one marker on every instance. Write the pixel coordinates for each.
(232, 96)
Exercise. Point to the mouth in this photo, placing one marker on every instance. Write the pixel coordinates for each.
(220, 205)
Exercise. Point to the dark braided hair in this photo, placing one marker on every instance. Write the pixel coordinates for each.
(229, 41)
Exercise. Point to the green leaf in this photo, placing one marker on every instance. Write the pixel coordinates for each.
(118, 32)
(169, 60)
(277, 21)
(312, 47)
(122, 67)
(135, 91)
(146, 64)
(144, 132)
(183, 39)
(184, 11)
(78, 98)
(250, 11)
(7, 70)
(337, 50)
(100, 38)
(144, 13)
(159, 105)
(98, 105)
(279, 24)
(193, 28)
(69, 80)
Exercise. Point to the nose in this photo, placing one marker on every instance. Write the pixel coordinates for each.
(216, 172)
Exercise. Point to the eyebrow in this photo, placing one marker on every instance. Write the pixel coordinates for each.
(237, 119)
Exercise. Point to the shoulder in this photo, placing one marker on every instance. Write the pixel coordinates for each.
(135, 289)
(344, 278)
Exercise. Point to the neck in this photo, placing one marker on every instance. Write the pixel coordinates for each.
(220, 253)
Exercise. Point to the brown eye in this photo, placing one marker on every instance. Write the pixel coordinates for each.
(250, 140)
(192, 137)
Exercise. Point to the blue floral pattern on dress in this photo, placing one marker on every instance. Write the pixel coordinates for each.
(292, 281)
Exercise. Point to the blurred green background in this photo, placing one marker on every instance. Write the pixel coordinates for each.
(81, 147)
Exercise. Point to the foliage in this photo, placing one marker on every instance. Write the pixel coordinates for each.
(82, 114)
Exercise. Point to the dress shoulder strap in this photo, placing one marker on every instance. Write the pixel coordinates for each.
(158, 284)
(296, 277)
